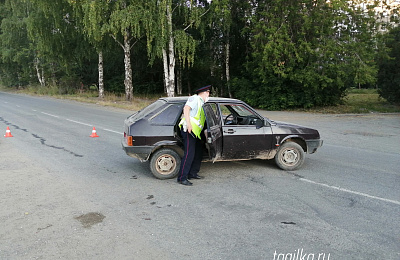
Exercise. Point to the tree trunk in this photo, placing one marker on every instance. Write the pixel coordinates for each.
(214, 58)
(101, 75)
(169, 61)
(213, 67)
(128, 68)
(40, 77)
(166, 71)
(179, 81)
(53, 74)
(43, 78)
(227, 71)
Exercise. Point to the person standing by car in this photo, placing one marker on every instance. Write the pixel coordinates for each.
(191, 126)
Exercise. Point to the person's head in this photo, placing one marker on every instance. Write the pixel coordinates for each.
(204, 92)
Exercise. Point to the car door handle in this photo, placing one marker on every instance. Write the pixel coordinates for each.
(229, 131)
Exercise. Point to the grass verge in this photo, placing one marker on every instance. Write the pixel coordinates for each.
(110, 99)
(357, 101)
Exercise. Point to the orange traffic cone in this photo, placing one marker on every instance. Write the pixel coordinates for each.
(94, 134)
(8, 133)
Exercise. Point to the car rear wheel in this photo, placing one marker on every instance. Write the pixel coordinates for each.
(290, 156)
(165, 163)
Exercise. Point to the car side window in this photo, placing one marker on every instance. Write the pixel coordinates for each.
(216, 113)
(241, 110)
(167, 116)
(225, 111)
(237, 114)
(210, 115)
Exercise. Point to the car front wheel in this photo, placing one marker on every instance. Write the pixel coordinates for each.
(290, 156)
(165, 163)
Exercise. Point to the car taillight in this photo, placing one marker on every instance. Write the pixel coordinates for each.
(129, 140)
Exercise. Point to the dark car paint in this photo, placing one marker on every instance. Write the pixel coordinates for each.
(224, 142)
(246, 142)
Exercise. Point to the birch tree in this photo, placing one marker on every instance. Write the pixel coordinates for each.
(125, 25)
(123, 20)
(54, 32)
(169, 59)
(171, 40)
(221, 22)
(94, 16)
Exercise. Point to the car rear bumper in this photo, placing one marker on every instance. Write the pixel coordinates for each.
(140, 152)
(313, 145)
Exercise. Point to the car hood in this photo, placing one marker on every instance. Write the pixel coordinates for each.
(287, 128)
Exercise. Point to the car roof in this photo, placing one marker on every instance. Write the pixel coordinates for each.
(212, 99)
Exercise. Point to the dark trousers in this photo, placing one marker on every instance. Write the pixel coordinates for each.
(191, 160)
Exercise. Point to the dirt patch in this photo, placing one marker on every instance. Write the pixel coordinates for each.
(90, 219)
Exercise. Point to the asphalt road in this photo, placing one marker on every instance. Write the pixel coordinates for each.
(65, 195)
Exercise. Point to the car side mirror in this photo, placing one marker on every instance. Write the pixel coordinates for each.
(259, 123)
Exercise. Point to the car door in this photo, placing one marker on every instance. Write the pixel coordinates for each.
(214, 136)
(246, 135)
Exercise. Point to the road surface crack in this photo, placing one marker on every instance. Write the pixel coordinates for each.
(43, 142)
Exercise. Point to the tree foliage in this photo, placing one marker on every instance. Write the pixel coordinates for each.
(305, 54)
(58, 44)
(16, 55)
(389, 68)
(274, 54)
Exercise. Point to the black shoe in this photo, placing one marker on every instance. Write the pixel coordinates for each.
(197, 177)
(185, 182)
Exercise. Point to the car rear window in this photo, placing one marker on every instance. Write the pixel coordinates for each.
(147, 110)
(168, 115)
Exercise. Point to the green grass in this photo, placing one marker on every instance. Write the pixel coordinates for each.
(360, 101)
(357, 100)
(91, 96)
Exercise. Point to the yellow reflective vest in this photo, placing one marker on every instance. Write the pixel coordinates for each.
(197, 122)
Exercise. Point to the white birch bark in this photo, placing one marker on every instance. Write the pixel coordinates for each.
(39, 76)
(101, 75)
(170, 72)
(128, 68)
(166, 71)
(127, 61)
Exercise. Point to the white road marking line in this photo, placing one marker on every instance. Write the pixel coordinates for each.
(47, 114)
(105, 129)
(112, 131)
(77, 122)
(350, 191)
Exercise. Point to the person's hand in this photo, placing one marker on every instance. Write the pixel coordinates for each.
(189, 128)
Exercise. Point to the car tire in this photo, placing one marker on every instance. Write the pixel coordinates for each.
(165, 164)
(290, 156)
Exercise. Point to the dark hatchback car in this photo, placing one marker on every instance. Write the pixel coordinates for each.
(233, 131)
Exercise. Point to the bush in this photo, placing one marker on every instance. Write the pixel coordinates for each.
(389, 69)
